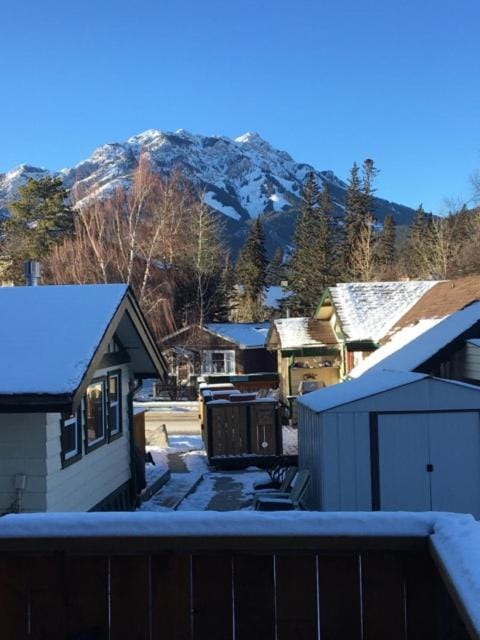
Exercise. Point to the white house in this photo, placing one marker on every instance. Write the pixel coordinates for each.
(392, 441)
(70, 357)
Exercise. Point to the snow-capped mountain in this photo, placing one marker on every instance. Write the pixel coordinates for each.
(241, 178)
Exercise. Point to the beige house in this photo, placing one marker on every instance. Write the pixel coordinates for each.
(349, 323)
(70, 360)
(307, 349)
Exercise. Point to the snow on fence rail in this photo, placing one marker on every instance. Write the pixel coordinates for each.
(240, 575)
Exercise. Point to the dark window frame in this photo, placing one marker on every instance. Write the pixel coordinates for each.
(68, 460)
(113, 435)
(99, 442)
(83, 445)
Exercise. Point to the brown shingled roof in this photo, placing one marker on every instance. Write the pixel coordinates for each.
(440, 301)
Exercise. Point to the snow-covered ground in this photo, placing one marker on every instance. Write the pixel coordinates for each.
(224, 491)
(181, 444)
(192, 487)
(167, 406)
(290, 441)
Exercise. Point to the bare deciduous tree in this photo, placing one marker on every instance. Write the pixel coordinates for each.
(157, 236)
(362, 256)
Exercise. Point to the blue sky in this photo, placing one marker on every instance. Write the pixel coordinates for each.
(393, 80)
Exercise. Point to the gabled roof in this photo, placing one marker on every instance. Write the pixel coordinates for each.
(52, 339)
(296, 333)
(246, 335)
(373, 384)
(397, 341)
(441, 300)
(414, 354)
(368, 310)
(368, 385)
(437, 303)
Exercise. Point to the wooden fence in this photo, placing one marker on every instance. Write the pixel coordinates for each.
(250, 588)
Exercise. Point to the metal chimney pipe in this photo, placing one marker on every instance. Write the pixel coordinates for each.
(31, 270)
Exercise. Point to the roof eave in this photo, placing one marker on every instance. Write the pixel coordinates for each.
(36, 402)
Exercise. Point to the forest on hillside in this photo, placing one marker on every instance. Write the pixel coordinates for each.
(160, 237)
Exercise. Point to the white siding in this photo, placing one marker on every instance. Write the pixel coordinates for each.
(336, 451)
(22, 451)
(83, 484)
(346, 457)
(310, 449)
(469, 362)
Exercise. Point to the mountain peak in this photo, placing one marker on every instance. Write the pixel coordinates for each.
(249, 137)
(240, 178)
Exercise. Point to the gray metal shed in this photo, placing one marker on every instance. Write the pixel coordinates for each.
(392, 441)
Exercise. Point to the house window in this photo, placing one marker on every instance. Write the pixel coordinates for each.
(218, 362)
(114, 403)
(113, 346)
(70, 438)
(95, 418)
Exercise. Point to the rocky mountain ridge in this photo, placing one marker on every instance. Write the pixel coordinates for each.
(241, 178)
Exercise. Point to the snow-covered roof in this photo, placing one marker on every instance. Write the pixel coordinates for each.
(49, 335)
(248, 335)
(423, 347)
(396, 342)
(295, 333)
(367, 310)
(368, 385)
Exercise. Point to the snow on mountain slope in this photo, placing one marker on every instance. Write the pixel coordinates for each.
(241, 178)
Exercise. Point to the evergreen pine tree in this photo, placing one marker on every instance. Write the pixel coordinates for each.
(413, 250)
(359, 224)
(312, 257)
(226, 300)
(252, 274)
(385, 250)
(275, 269)
(351, 221)
(39, 218)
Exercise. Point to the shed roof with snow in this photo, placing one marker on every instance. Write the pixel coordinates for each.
(52, 338)
(370, 385)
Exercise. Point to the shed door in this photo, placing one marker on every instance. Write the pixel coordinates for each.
(455, 455)
(429, 462)
(403, 453)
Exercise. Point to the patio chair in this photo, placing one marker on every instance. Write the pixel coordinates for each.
(284, 487)
(277, 475)
(288, 501)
